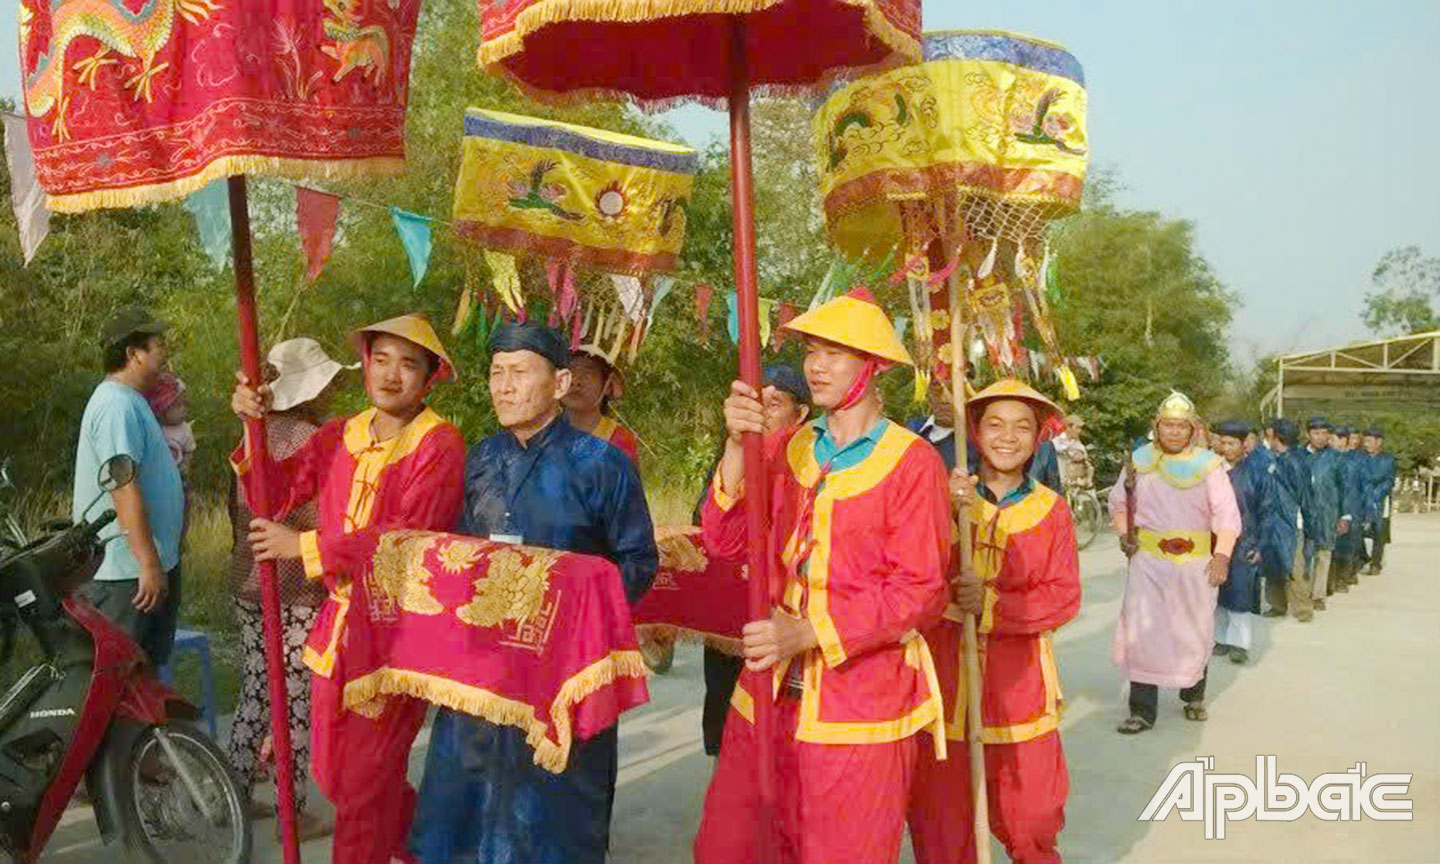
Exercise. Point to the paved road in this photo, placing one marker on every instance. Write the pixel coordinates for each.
(1359, 684)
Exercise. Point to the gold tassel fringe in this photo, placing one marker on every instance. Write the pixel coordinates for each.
(228, 166)
(552, 755)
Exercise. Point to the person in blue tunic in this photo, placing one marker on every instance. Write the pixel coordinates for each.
(1282, 552)
(1379, 476)
(1349, 546)
(1331, 506)
(1252, 476)
(539, 482)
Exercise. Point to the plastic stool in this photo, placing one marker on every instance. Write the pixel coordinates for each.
(194, 640)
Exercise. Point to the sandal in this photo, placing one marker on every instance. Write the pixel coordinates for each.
(1134, 725)
(1196, 711)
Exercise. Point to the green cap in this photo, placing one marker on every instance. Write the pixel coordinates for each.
(129, 321)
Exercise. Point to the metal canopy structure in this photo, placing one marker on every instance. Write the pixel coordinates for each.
(1391, 374)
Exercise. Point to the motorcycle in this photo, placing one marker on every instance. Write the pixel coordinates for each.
(92, 710)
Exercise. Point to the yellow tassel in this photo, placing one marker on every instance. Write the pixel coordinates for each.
(462, 313)
(551, 753)
(229, 166)
(621, 326)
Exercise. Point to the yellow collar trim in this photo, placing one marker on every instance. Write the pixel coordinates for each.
(360, 434)
(605, 429)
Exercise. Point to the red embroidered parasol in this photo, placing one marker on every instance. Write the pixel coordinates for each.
(133, 102)
(662, 52)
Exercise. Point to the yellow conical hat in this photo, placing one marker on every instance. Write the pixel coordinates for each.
(855, 321)
(1011, 388)
(414, 328)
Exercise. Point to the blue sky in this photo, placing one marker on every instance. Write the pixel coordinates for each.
(1294, 133)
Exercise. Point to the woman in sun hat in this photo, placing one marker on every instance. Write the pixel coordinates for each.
(303, 380)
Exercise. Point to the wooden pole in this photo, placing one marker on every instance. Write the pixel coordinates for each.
(757, 498)
(973, 722)
(249, 336)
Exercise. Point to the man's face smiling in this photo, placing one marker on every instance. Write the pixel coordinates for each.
(830, 370)
(1006, 434)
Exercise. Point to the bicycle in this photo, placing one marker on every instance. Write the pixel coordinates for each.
(1087, 514)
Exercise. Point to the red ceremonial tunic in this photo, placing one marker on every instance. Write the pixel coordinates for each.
(875, 577)
(1025, 556)
(608, 429)
(364, 487)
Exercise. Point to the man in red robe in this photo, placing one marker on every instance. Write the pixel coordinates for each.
(396, 465)
(860, 524)
(1028, 571)
(595, 383)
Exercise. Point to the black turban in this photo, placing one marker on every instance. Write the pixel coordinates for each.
(529, 336)
(1233, 429)
(1287, 431)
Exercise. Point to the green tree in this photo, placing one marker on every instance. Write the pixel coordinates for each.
(1138, 294)
(1406, 283)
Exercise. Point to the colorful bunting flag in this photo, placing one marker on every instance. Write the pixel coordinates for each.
(506, 277)
(786, 314)
(26, 196)
(315, 217)
(663, 286)
(1067, 380)
(766, 307)
(415, 235)
(732, 317)
(631, 294)
(210, 208)
(704, 293)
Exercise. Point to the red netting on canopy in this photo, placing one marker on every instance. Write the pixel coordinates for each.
(659, 52)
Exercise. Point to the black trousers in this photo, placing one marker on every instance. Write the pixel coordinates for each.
(722, 671)
(1145, 698)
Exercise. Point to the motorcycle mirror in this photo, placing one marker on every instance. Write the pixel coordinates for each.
(118, 471)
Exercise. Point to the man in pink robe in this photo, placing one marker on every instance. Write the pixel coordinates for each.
(1186, 525)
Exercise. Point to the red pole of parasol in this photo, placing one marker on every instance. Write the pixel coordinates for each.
(245, 320)
(757, 509)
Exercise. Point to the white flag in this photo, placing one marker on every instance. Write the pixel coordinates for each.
(26, 195)
(632, 296)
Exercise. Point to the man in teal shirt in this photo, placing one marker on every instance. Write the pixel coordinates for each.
(138, 585)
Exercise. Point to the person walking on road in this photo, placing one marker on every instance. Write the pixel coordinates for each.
(1379, 474)
(1252, 477)
(1186, 526)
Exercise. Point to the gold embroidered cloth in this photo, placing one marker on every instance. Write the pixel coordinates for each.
(521, 636)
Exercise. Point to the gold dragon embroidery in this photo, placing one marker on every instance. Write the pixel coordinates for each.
(512, 588)
(399, 573)
(356, 45)
(131, 35)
